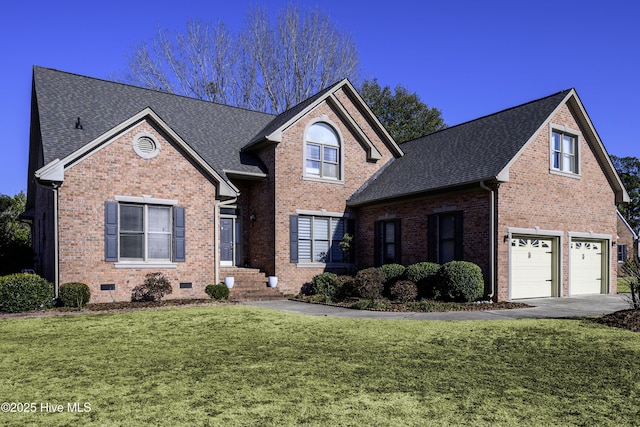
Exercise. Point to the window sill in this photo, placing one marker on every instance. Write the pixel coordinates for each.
(566, 174)
(321, 265)
(143, 264)
(327, 180)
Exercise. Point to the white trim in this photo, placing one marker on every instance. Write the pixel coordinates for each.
(536, 231)
(53, 172)
(322, 212)
(148, 200)
(144, 134)
(225, 188)
(578, 137)
(247, 174)
(589, 235)
(144, 264)
(372, 152)
(626, 224)
(323, 119)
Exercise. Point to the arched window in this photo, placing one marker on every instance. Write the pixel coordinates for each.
(322, 152)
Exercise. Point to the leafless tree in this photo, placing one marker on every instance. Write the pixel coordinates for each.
(267, 66)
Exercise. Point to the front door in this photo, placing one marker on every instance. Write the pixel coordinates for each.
(226, 241)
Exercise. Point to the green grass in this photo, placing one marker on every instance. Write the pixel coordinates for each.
(242, 366)
(623, 286)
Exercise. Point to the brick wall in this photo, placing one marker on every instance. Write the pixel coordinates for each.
(534, 197)
(117, 170)
(413, 214)
(624, 238)
(295, 192)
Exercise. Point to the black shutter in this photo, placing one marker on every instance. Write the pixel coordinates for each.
(378, 243)
(111, 231)
(459, 233)
(432, 238)
(179, 234)
(293, 238)
(398, 242)
(351, 229)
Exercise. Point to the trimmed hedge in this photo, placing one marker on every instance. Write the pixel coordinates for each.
(425, 276)
(24, 292)
(461, 281)
(323, 284)
(345, 287)
(369, 283)
(218, 292)
(74, 294)
(404, 291)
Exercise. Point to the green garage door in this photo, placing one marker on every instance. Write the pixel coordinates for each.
(531, 267)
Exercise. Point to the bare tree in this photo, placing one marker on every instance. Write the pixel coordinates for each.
(268, 66)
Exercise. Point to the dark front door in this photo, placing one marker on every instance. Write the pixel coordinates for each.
(226, 241)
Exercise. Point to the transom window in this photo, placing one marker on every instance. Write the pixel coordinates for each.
(322, 152)
(319, 239)
(564, 152)
(145, 232)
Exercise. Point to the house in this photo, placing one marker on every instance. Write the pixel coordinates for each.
(124, 181)
(627, 242)
(529, 194)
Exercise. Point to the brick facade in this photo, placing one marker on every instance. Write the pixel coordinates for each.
(116, 170)
(534, 197)
(624, 237)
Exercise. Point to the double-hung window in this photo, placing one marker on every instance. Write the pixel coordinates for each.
(445, 237)
(145, 232)
(564, 152)
(387, 242)
(322, 152)
(316, 239)
(622, 253)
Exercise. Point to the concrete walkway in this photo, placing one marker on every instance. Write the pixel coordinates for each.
(579, 306)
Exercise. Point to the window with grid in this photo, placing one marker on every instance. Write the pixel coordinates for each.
(319, 239)
(145, 232)
(322, 152)
(564, 152)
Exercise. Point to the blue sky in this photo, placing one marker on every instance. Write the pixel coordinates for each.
(467, 58)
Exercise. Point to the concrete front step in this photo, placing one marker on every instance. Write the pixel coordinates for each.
(250, 284)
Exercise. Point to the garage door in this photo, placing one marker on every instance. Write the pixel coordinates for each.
(531, 267)
(586, 267)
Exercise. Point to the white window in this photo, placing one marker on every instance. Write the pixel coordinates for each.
(322, 152)
(319, 239)
(564, 152)
(145, 232)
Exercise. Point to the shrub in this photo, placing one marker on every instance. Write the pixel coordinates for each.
(369, 283)
(156, 285)
(461, 281)
(425, 276)
(218, 292)
(74, 294)
(392, 273)
(404, 291)
(344, 287)
(22, 292)
(631, 267)
(322, 284)
(373, 304)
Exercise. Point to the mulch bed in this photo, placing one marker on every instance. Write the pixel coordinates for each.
(431, 306)
(625, 319)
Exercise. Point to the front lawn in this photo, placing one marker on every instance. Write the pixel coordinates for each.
(243, 366)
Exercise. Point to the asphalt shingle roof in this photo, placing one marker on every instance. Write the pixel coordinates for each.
(470, 152)
(216, 132)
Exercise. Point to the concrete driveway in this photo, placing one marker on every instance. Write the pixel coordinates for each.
(579, 306)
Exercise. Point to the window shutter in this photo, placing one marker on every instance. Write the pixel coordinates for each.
(398, 242)
(459, 232)
(111, 231)
(293, 238)
(351, 229)
(378, 246)
(432, 238)
(179, 234)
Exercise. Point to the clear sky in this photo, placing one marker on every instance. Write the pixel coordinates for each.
(468, 58)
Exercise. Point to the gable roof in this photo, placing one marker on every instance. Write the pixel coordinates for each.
(215, 132)
(272, 133)
(476, 151)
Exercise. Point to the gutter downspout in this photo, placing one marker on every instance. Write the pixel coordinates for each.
(56, 250)
(216, 244)
(492, 238)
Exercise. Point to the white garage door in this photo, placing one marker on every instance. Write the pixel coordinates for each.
(531, 267)
(586, 267)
